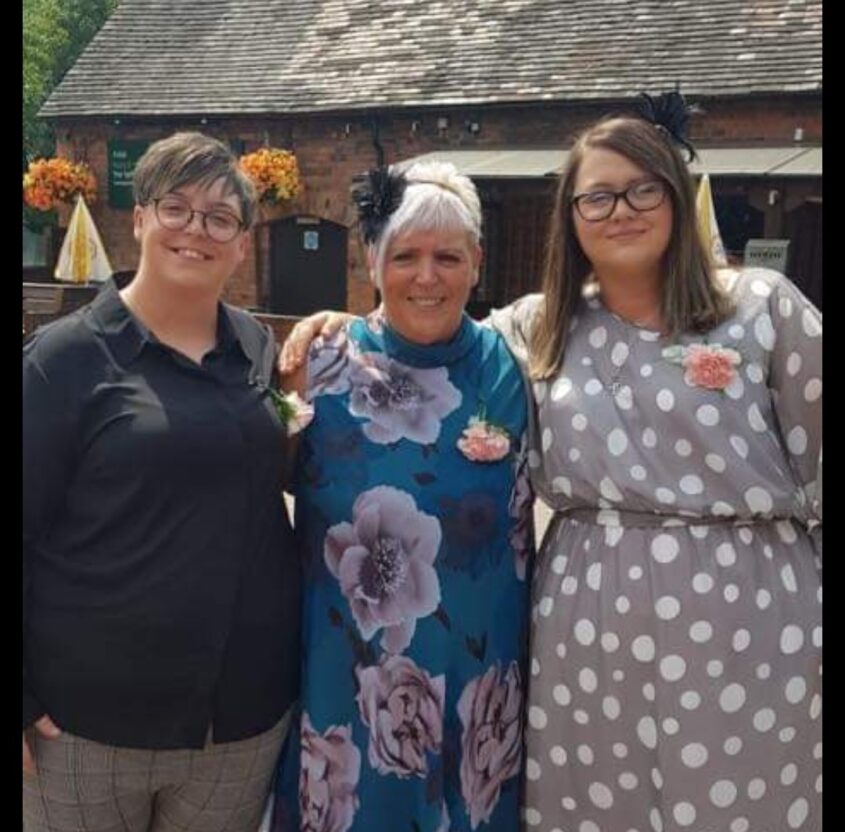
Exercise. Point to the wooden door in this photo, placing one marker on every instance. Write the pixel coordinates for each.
(804, 229)
(307, 265)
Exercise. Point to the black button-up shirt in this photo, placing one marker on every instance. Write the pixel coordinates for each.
(161, 586)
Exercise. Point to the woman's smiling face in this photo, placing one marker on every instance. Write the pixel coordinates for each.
(636, 240)
(426, 281)
(189, 257)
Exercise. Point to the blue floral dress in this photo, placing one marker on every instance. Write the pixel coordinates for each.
(414, 513)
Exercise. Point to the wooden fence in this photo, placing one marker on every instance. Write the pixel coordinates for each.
(44, 302)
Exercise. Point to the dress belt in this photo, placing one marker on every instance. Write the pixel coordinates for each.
(649, 519)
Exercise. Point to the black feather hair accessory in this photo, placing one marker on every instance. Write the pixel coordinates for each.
(377, 197)
(670, 114)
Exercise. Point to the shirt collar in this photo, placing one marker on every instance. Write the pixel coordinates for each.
(227, 333)
(126, 336)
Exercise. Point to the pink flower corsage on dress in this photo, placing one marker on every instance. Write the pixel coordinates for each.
(707, 365)
(483, 441)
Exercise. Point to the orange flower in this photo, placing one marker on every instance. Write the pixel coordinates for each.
(49, 182)
(274, 172)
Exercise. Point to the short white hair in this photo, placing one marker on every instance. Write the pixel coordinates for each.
(436, 198)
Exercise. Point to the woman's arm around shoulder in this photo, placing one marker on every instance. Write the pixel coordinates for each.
(515, 323)
(295, 348)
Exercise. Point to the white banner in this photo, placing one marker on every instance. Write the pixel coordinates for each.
(707, 226)
(82, 258)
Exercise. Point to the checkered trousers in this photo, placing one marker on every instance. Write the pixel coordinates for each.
(85, 786)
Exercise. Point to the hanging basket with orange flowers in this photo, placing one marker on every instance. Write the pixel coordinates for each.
(49, 183)
(274, 172)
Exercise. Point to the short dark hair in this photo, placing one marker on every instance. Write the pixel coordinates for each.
(192, 158)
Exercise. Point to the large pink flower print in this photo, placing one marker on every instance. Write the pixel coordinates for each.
(383, 560)
(402, 705)
(490, 709)
(400, 402)
(328, 777)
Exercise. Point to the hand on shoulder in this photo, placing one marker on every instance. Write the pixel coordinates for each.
(295, 348)
(727, 277)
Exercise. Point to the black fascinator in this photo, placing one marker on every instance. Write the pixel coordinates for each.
(377, 197)
(670, 114)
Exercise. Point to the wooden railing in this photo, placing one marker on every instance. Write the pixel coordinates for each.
(44, 302)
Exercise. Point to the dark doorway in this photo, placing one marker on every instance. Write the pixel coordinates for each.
(307, 265)
(516, 218)
(804, 229)
(738, 222)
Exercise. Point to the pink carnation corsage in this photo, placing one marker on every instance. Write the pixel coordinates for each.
(483, 441)
(295, 413)
(711, 366)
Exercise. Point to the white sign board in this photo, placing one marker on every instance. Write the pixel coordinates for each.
(771, 254)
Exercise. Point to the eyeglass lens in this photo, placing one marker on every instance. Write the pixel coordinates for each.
(599, 205)
(175, 214)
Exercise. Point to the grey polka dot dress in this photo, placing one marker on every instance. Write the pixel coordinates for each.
(676, 640)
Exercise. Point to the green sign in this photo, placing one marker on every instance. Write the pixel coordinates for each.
(123, 156)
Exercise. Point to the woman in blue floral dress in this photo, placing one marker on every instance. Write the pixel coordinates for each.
(414, 512)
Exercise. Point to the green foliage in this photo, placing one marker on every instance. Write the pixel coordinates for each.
(55, 32)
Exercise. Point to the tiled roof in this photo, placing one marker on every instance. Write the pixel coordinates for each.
(171, 57)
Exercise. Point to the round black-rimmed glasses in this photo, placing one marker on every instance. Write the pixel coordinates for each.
(594, 206)
(176, 214)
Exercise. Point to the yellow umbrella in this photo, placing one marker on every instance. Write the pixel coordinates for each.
(707, 225)
(82, 257)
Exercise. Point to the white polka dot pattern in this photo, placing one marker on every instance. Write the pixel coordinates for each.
(598, 337)
(677, 680)
(665, 400)
(617, 442)
(561, 388)
(619, 354)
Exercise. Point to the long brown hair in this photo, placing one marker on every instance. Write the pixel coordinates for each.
(692, 301)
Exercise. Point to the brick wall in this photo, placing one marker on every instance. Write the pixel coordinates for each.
(332, 149)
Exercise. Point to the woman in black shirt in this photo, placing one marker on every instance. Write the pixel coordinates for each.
(160, 588)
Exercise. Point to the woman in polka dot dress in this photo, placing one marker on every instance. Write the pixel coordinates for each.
(676, 671)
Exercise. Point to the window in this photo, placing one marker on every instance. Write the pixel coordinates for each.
(35, 247)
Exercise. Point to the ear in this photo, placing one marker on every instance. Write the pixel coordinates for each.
(138, 223)
(477, 256)
(243, 244)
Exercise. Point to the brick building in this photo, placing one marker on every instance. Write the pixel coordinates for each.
(497, 86)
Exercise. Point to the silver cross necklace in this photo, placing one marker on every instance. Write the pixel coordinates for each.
(614, 385)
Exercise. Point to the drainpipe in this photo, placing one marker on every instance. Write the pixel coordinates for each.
(374, 131)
